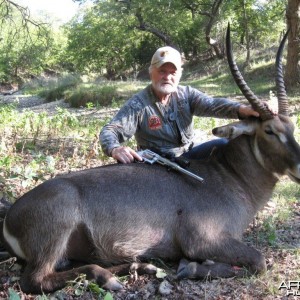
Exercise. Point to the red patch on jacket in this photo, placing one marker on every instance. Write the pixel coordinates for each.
(154, 123)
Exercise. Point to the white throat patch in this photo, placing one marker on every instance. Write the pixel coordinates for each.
(257, 153)
(13, 242)
(259, 158)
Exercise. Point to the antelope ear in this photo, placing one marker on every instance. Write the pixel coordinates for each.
(236, 129)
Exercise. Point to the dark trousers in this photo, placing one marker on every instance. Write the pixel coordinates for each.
(203, 150)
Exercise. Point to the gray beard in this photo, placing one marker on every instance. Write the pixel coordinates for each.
(165, 89)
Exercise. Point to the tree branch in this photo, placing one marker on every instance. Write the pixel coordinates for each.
(146, 27)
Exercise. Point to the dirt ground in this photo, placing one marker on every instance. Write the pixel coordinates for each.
(282, 260)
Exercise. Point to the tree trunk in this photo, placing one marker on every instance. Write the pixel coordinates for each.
(215, 44)
(246, 32)
(292, 73)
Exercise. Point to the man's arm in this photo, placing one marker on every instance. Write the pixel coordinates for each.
(121, 128)
(204, 105)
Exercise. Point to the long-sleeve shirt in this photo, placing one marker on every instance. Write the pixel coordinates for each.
(167, 129)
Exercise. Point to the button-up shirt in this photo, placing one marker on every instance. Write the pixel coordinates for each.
(167, 129)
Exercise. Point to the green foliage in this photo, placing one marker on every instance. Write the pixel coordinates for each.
(219, 82)
(56, 88)
(116, 39)
(13, 295)
(34, 146)
(277, 213)
(81, 285)
(111, 42)
(97, 45)
(58, 59)
(249, 15)
(97, 95)
(24, 43)
(120, 37)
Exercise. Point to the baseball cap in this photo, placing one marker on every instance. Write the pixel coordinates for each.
(166, 54)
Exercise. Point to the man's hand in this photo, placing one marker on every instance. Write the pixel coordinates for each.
(246, 111)
(125, 155)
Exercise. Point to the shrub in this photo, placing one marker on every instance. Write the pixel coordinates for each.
(56, 88)
(101, 95)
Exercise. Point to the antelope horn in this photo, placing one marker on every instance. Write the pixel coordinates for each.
(280, 86)
(264, 112)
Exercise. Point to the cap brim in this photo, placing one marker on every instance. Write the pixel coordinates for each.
(162, 62)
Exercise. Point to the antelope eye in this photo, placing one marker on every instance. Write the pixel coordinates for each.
(269, 131)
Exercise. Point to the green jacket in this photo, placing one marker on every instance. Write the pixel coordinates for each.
(166, 129)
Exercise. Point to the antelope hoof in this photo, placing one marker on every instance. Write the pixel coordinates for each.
(113, 284)
(183, 269)
(209, 269)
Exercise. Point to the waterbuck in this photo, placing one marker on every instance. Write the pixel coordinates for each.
(119, 214)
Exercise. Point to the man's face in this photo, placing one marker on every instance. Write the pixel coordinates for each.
(165, 79)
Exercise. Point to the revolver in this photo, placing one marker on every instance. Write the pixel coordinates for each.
(151, 157)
